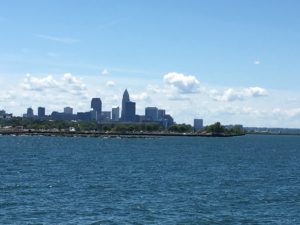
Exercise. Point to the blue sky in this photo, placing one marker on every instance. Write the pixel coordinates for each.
(240, 58)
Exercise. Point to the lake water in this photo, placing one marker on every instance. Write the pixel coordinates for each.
(170, 180)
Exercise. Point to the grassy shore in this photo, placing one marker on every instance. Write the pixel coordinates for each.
(111, 134)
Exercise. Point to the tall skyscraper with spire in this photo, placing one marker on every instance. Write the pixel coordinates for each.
(124, 100)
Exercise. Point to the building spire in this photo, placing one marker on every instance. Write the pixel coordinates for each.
(124, 100)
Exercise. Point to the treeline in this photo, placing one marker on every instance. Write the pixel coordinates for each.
(218, 128)
(81, 126)
(25, 123)
(143, 127)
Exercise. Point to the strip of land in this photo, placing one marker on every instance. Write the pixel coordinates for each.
(111, 134)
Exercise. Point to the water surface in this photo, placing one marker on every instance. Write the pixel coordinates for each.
(170, 180)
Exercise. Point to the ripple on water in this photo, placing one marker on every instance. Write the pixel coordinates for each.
(172, 180)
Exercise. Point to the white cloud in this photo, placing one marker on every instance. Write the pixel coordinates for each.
(110, 83)
(143, 96)
(72, 84)
(66, 84)
(291, 113)
(155, 89)
(104, 72)
(53, 92)
(6, 95)
(39, 84)
(178, 98)
(183, 83)
(231, 94)
(168, 91)
(255, 92)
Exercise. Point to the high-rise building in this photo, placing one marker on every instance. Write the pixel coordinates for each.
(68, 110)
(151, 113)
(168, 120)
(96, 105)
(4, 115)
(115, 113)
(125, 99)
(41, 112)
(161, 114)
(198, 124)
(129, 115)
(29, 113)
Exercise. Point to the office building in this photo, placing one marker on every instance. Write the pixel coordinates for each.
(168, 121)
(96, 105)
(198, 124)
(68, 110)
(29, 113)
(151, 113)
(57, 115)
(161, 114)
(4, 115)
(129, 115)
(115, 114)
(41, 112)
(94, 115)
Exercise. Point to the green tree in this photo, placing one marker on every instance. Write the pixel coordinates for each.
(216, 128)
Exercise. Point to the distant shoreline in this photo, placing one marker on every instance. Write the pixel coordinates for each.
(111, 134)
(265, 133)
(126, 134)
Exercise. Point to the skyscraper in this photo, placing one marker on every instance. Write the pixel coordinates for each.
(198, 124)
(115, 113)
(41, 112)
(29, 113)
(129, 112)
(68, 110)
(96, 105)
(124, 100)
(151, 113)
(169, 121)
(161, 114)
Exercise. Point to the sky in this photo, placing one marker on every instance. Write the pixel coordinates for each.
(231, 61)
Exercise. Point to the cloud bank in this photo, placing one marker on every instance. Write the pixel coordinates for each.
(232, 94)
(181, 95)
(66, 84)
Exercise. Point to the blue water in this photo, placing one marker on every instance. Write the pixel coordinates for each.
(172, 180)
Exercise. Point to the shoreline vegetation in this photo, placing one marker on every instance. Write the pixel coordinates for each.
(30, 127)
(111, 135)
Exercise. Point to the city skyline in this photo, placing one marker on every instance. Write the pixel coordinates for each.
(234, 62)
(95, 113)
